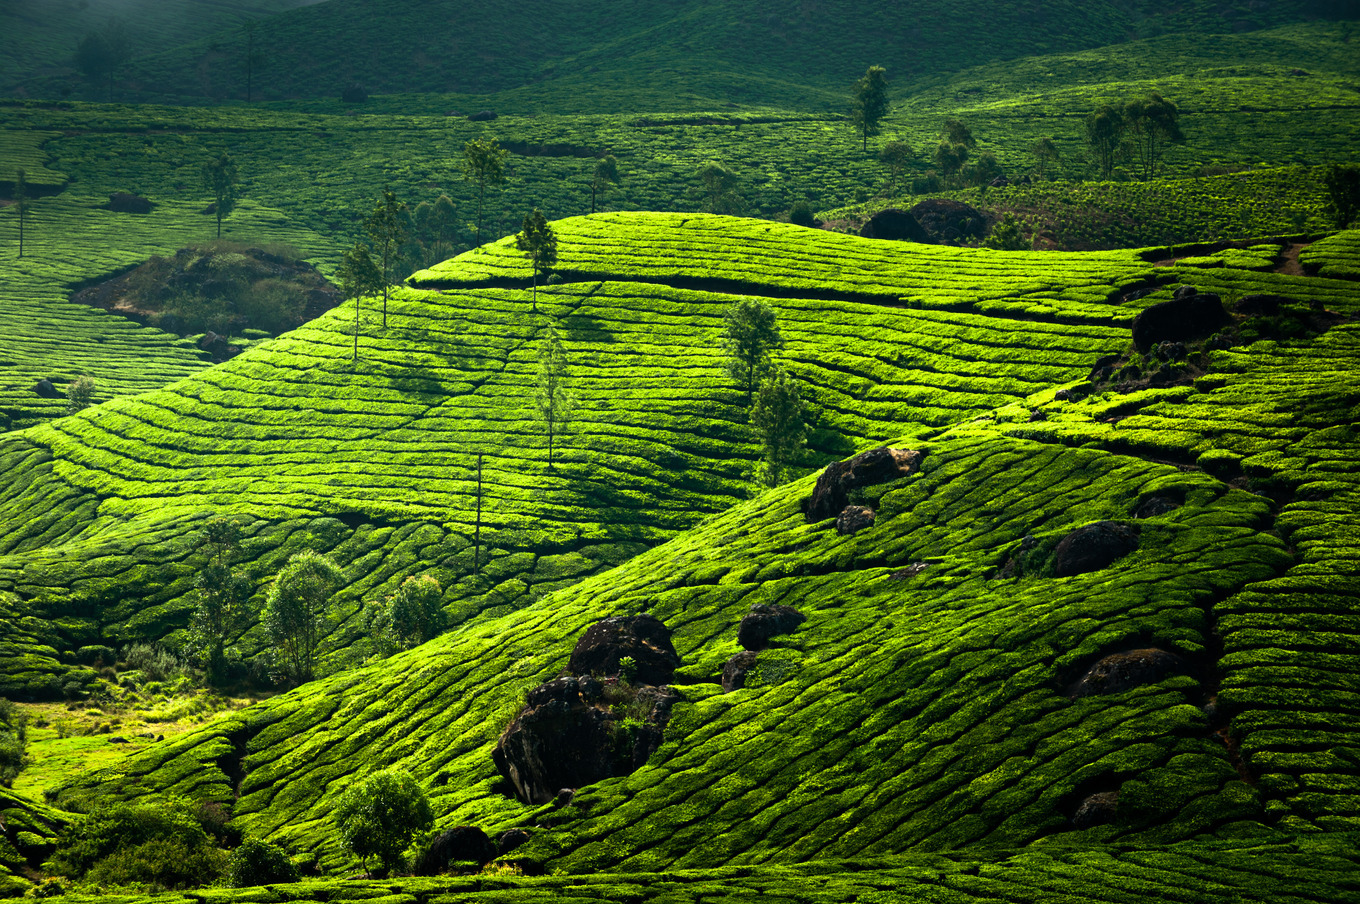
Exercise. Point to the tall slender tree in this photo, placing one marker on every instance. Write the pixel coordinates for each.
(750, 336)
(539, 243)
(1151, 122)
(359, 278)
(1105, 136)
(554, 403)
(1045, 154)
(777, 416)
(249, 27)
(21, 204)
(606, 174)
(484, 165)
(719, 185)
(869, 103)
(220, 177)
(386, 232)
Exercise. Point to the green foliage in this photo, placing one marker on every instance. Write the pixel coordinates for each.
(539, 244)
(778, 418)
(153, 841)
(1105, 129)
(750, 336)
(379, 815)
(606, 174)
(1343, 193)
(220, 177)
(294, 610)
(13, 740)
(385, 231)
(483, 165)
(801, 215)
(1006, 235)
(256, 862)
(360, 277)
(869, 103)
(409, 617)
(950, 158)
(80, 395)
(1046, 155)
(1151, 122)
(22, 206)
(222, 595)
(100, 54)
(895, 156)
(553, 402)
(985, 170)
(719, 186)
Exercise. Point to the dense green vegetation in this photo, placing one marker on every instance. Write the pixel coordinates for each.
(267, 618)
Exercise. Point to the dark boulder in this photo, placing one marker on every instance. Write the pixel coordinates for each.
(124, 202)
(482, 116)
(1153, 506)
(1260, 305)
(1096, 810)
(567, 737)
(45, 389)
(511, 839)
(894, 224)
(736, 669)
(950, 221)
(645, 638)
(217, 346)
(765, 621)
(832, 491)
(1092, 547)
(1123, 671)
(854, 518)
(460, 844)
(1185, 318)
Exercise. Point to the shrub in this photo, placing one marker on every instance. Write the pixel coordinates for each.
(380, 815)
(13, 738)
(154, 662)
(156, 842)
(258, 862)
(801, 215)
(80, 394)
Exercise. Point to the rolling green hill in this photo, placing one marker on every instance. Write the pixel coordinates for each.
(920, 708)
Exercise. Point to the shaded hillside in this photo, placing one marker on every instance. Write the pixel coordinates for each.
(698, 53)
(940, 694)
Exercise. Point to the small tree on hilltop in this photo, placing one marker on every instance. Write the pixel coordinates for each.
(483, 164)
(606, 174)
(1105, 136)
(869, 103)
(719, 185)
(777, 415)
(539, 243)
(1343, 193)
(895, 155)
(359, 278)
(385, 231)
(21, 204)
(380, 814)
(1151, 122)
(552, 400)
(750, 335)
(294, 610)
(219, 177)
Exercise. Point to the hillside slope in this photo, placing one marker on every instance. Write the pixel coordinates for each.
(932, 699)
(694, 52)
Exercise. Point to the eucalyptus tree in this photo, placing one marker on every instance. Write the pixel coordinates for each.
(750, 336)
(869, 103)
(606, 174)
(220, 177)
(777, 414)
(483, 165)
(384, 229)
(1151, 122)
(294, 611)
(554, 403)
(539, 243)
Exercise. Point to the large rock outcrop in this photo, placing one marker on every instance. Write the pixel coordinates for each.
(948, 221)
(894, 224)
(643, 638)
(1187, 317)
(765, 621)
(831, 494)
(1092, 547)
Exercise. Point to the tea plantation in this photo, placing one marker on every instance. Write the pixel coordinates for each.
(919, 730)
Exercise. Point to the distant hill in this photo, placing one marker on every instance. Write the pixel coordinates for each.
(679, 55)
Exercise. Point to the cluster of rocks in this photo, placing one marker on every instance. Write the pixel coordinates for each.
(831, 496)
(937, 221)
(466, 844)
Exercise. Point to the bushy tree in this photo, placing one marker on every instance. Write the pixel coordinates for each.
(553, 401)
(155, 841)
(256, 862)
(1105, 136)
(100, 54)
(219, 177)
(985, 171)
(539, 243)
(778, 418)
(719, 186)
(1006, 235)
(606, 174)
(293, 612)
(957, 132)
(1046, 155)
(80, 394)
(1343, 193)
(359, 278)
(386, 233)
(380, 814)
(222, 594)
(411, 616)
(895, 156)
(750, 336)
(13, 741)
(869, 103)
(431, 230)
(1150, 122)
(484, 165)
(949, 159)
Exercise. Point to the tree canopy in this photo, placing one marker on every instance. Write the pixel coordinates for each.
(539, 243)
(869, 103)
(750, 336)
(484, 165)
(220, 177)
